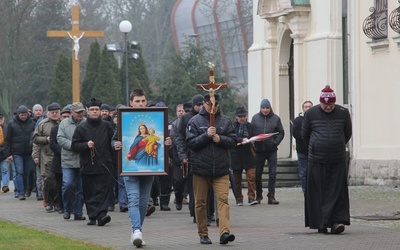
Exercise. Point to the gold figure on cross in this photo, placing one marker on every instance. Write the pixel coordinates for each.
(211, 87)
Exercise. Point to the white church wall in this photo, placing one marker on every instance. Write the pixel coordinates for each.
(375, 87)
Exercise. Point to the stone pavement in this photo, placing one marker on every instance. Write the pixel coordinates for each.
(255, 227)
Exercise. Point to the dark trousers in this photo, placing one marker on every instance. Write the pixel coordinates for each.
(49, 188)
(165, 189)
(178, 182)
(272, 158)
(155, 189)
(58, 198)
(113, 186)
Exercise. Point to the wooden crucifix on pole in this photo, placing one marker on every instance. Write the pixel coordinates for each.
(211, 87)
(75, 34)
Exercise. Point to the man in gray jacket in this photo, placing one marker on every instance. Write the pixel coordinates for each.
(72, 193)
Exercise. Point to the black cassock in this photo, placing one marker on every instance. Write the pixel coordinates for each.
(95, 191)
(327, 195)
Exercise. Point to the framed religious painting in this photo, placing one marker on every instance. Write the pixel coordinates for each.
(142, 132)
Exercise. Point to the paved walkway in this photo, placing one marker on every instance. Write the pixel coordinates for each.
(257, 227)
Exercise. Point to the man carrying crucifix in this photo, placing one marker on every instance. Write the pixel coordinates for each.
(209, 162)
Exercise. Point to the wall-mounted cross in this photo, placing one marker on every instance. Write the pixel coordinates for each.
(75, 34)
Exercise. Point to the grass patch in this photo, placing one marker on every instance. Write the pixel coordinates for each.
(13, 237)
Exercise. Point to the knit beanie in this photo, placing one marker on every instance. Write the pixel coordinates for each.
(265, 104)
(105, 107)
(22, 109)
(327, 95)
(197, 100)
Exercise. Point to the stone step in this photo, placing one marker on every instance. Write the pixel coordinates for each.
(286, 175)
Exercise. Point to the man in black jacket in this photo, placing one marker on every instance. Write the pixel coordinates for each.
(326, 130)
(210, 164)
(92, 139)
(264, 122)
(301, 147)
(18, 148)
(242, 158)
(181, 147)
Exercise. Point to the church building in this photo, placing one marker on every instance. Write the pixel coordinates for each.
(299, 46)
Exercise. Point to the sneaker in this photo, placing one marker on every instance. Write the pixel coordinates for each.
(137, 238)
(5, 189)
(239, 202)
(49, 208)
(252, 202)
(185, 201)
(21, 197)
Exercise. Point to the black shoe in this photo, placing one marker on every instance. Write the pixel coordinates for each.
(208, 222)
(111, 209)
(104, 220)
(165, 208)
(21, 197)
(123, 209)
(39, 198)
(217, 222)
(323, 231)
(178, 206)
(79, 217)
(91, 223)
(67, 215)
(337, 228)
(28, 193)
(61, 211)
(150, 209)
(225, 238)
(205, 240)
(155, 202)
(212, 218)
(259, 197)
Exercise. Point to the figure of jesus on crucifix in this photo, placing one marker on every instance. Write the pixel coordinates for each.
(211, 87)
(76, 43)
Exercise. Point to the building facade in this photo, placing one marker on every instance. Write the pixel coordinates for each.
(299, 46)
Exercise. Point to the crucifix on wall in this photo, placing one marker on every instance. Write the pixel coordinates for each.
(211, 87)
(75, 34)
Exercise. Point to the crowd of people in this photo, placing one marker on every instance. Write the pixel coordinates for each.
(68, 156)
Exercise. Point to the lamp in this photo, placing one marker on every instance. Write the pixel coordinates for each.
(126, 27)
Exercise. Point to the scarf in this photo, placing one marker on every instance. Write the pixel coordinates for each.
(243, 133)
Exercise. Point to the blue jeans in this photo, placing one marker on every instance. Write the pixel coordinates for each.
(122, 199)
(302, 164)
(5, 174)
(138, 190)
(24, 166)
(272, 158)
(72, 193)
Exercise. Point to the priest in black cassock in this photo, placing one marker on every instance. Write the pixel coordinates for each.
(92, 139)
(326, 129)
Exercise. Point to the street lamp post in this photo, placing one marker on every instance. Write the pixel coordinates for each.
(126, 27)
